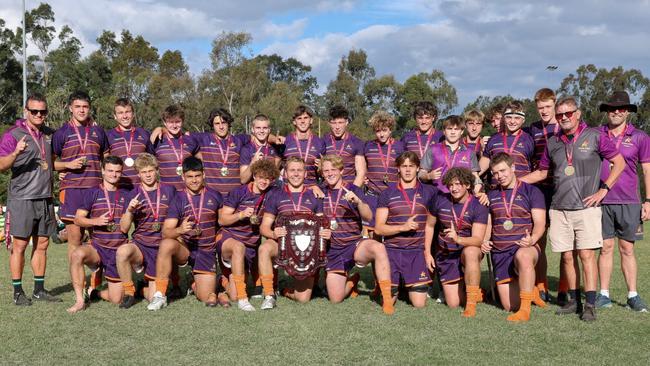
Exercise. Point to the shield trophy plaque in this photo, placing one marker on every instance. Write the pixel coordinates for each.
(302, 251)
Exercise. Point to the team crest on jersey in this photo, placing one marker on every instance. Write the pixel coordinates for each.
(232, 144)
(627, 141)
(423, 276)
(584, 146)
(464, 159)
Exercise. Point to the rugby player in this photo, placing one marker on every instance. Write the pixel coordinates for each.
(304, 144)
(350, 148)
(258, 148)
(424, 135)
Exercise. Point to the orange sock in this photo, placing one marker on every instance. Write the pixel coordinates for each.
(387, 304)
(267, 284)
(473, 295)
(161, 285)
(537, 300)
(96, 279)
(351, 284)
(523, 314)
(240, 286)
(541, 286)
(563, 286)
(129, 288)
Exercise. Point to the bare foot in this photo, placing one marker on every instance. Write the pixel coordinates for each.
(77, 307)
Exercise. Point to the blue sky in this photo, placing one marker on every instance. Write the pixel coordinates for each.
(483, 47)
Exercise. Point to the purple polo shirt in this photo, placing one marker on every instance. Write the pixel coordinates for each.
(240, 199)
(414, 141)
(634, 145)
(143, 216)
(348, 147)
(96, 204)
(269, 152)
(441, 156)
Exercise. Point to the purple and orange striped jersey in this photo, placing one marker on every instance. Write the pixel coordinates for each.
(523, 152)
(181, 208)
(95, 204)
(138, 139)
(316, 150)
(536, 130)
(168, 160)
(281, 201)
(348, 148)
(348, 217)
(240, 199)
(249, 150)
(66, 145)
(414, 141)
(143, 216)
(442, 210)
(441, 156)
(399, 211)
(377, 169)
(528, 197)
(218, 153)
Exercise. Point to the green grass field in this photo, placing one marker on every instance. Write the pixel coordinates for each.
(317, 333)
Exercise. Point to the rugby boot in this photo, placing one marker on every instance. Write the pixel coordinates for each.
(46, 296)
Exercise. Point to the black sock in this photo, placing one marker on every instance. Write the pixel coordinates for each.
(18, 285)
(39, 284)
(591, 297)
(574, 295)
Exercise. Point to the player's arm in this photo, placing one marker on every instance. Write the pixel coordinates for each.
(539, 223)
(245, 174)
(384, 229)
(645, 212)
(228, 216)
(484, 165)
(618, 164)
(127, 216)
(535, 176)
(478, 234)
(75, 164)
(81, 219)
(428, 243)
(171, 230)
(265, 227)
(7, 161)
(361, 169)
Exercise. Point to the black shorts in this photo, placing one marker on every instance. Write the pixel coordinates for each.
(31, 217)
(623, 222)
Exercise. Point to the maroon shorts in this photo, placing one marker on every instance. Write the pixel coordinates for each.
(407, 266)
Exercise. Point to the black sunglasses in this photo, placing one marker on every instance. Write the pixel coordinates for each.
(34, 112)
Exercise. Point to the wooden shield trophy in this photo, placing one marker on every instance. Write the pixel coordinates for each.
(302, 251)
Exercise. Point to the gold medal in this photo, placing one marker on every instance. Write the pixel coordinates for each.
(569, 170)
(386, 178)
(508, 225)
(179, 170)
(197, 231)
(129, 162)
(110, 227)
(333, 224)
(43, 164)
(84, 161)
(155, 227)
(254, 219)
(224, 171)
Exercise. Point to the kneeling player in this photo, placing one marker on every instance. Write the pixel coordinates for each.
(404, 220)
(347, 247)
(148, 205)
(462, 221)
(189, 237)
(291, 198)
(101, 210)
(518, 215)
(239, 236)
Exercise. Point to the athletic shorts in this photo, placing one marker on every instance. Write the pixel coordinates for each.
(108, 263)
(623, 222)
(407, 266)
(449, 266)
(575, 229)
(31, 217)
(503, 264)
(341, 259)
(250, 256)
(371, 200)
(149, 255)
(203, 261)
(71, 199)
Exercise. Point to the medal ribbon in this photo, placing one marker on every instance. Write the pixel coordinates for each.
(429, 137)
(266, 149)
(344, 139)
(156, 209)
(333, 207)
(619, 138)
(510, 149)
(453, 158)
(179, 157)
(295, 137)
(82, 143)
(569, 155)
(197, 217)
(258, 204)
(555, 130)
(406, 197)
(296, 208)
(224, 158)
(111, 209)
(128, 145)
(37, 136)
(459, 220)
(507, 207)
(477, 145)
(384, 161)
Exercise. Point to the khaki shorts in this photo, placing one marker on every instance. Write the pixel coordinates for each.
(575, 229)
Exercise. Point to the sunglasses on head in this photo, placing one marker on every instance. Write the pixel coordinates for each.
(35, 112)
(569, 114)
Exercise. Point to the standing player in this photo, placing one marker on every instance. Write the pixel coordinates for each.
(342, 143)
(462, 221)
(239, 236)
(101, 209)
(304, 144)
(404, 220)
(173, 146)
(474, 120)
(576, 156)
(495, 116)
(148, 204)
(448, 154)
(381, 153)
(346, 210)
(259, 148)
(127, 141)
(79, 146)
(513, 140)
(424, 135)
(547, 127)
(189, 237)
(518, 222)
(290, 198)
(26, 149)
(622, 209)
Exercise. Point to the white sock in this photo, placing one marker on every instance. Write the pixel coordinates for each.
(631, 294)
(604, 292)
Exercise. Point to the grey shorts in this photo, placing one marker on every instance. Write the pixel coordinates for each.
(31, 217)
(623, 222)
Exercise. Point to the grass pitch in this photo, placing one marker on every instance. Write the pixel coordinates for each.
(355, 332)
